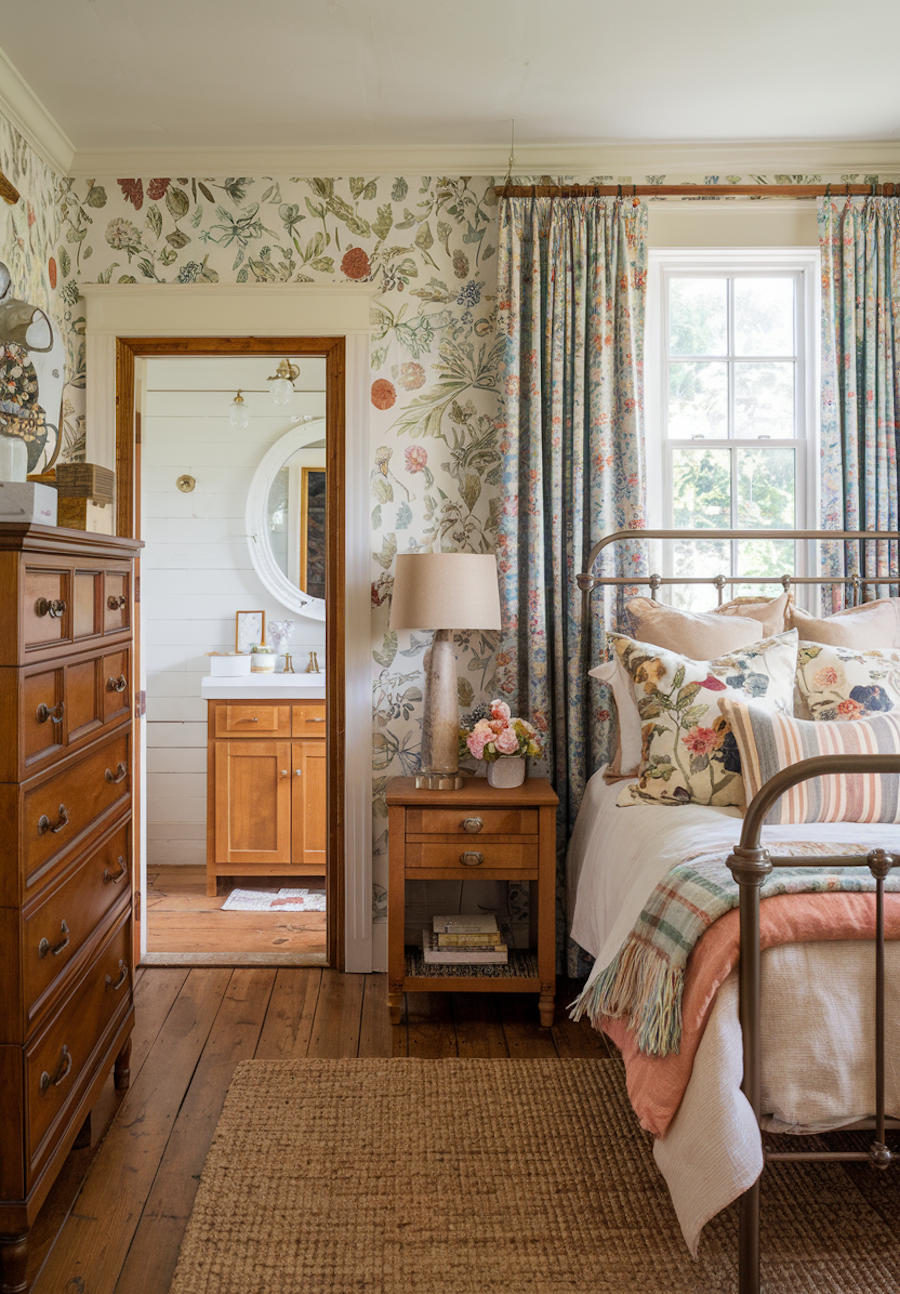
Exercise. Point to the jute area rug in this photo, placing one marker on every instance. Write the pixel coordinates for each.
(490, 1176)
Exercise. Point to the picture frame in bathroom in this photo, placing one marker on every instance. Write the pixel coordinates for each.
(249, 629)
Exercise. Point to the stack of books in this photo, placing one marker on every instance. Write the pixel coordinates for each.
(466, 940)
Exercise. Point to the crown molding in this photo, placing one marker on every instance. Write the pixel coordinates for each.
(24, 111)
(621, 159)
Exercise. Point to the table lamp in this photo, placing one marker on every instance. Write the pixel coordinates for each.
(443, 592)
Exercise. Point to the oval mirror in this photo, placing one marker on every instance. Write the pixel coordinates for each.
(286, 519)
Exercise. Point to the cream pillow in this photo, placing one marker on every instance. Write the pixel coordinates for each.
(627, 753)
(688, 752)
(873, 624)
(770, 612)
(698, 634)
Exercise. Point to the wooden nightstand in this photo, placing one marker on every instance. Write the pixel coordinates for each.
(479, 832)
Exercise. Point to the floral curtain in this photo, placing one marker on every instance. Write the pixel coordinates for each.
(572, 288)
(860, 242)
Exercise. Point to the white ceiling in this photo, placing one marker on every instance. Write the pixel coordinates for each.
(178, 75)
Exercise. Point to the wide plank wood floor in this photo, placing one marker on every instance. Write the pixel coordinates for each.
(114, 1220)
(184, 925)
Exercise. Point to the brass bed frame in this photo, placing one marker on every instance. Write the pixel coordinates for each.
(750, 862)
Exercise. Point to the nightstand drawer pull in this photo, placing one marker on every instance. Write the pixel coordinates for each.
(471, 858)
(115, 985)
(54, 609)
(115, 877)
(472, 824)
(116, 603)
(118, 776)
(117, 684)
(53, 713)
(44, 822)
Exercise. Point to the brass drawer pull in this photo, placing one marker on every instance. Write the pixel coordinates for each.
(116, 603)
(117, 876)
(472, 824)
(53, 713)
(65, 1064)
(471, 858)
(45, 946)
(54, 609)
(44, 822)
(119, 776)
(123, 976)
(117, 684)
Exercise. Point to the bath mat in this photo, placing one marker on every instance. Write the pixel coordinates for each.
(283, 901)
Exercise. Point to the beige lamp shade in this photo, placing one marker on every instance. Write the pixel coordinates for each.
(445, 591)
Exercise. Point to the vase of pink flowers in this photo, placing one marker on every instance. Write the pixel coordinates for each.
(504, 743)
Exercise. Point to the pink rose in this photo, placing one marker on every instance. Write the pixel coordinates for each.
(507, 742)
(500, 710)
(476, 742)
(498, 725)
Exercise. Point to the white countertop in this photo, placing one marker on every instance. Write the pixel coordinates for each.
(252, 687)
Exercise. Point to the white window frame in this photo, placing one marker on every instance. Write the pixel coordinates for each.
(802, 263)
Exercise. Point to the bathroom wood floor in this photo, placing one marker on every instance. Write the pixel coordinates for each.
(186, 927)
(114, 1219)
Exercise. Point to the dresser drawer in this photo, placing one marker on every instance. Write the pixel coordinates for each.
(64, 917)
(59, 809)
(58, 1060)
(462, 858)
(63, 706)
(252, 720)
(308, 719)
(471, 822)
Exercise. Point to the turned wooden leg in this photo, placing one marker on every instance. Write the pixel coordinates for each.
(122, 1072)
(395, 1005)
(84, 1136)
(546, 1005)
(13, 1263)
(212, 885)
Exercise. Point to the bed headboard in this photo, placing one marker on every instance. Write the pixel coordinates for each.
(855, 585)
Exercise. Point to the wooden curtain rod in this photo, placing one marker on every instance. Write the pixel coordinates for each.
(695, 190)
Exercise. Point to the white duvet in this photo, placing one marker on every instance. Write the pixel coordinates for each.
(824, 993)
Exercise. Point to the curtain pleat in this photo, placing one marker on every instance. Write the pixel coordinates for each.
(860, 244)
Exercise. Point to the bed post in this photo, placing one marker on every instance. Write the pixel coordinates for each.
(750, 866)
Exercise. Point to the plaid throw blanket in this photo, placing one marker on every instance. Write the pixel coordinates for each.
(644, 982)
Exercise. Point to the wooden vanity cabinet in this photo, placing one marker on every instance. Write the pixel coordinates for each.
(266, 793)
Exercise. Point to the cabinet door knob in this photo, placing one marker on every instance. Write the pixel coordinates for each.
(284, 772)
(472, 824)
(298, 772)
(471, 858)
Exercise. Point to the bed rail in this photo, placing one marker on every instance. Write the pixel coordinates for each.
(588, 579)
(750, 863)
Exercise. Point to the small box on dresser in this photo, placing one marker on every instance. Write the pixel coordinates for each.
(485, 833)
(66, 865)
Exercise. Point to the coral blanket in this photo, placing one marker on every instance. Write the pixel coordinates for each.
(656, 1084)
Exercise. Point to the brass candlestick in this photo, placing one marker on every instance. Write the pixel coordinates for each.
(288, 667)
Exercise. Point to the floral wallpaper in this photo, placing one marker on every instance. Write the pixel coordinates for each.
(430, 242)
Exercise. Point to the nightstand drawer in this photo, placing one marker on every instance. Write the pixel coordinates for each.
(472, 856)
(471, 822)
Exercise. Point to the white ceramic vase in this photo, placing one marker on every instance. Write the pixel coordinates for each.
(506, 772)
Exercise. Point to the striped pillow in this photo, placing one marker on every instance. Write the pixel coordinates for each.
(769, 741)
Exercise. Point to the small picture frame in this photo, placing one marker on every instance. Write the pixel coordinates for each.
(249, 630)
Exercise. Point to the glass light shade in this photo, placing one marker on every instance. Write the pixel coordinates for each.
(282, 390)
(239, 415)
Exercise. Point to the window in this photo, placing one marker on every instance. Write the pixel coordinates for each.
(732, 411)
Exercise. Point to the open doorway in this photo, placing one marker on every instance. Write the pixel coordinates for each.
(219, 817)
(198, 570)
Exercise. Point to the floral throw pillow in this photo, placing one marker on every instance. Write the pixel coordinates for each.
(689, 754)
(839, 683)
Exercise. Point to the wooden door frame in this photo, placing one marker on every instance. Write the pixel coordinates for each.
(333, 351)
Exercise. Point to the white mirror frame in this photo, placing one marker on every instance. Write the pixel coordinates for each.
(261, 554)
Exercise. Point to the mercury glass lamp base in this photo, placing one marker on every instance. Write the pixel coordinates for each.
(439, 782)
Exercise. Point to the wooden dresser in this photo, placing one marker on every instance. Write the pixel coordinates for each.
(266, 798)
(66, 945)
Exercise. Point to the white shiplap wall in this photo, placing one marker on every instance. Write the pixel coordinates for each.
(196, 568)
